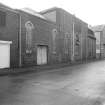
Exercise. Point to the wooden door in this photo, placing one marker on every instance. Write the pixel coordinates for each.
(41, 55)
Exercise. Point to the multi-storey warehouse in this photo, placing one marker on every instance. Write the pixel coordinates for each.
(28, 38)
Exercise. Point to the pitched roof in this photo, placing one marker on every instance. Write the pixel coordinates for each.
(90, 31)
(47, 10)
(98, 28)
(7, 8)
(32, 12)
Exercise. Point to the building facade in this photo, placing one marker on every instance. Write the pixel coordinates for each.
(100, 40)
(51, 37)
(76, 29)
(32, 38)
(38, 40)
(9, 32)
(91, 45)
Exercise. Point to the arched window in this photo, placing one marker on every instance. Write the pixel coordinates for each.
(54, 34)
(29, 27)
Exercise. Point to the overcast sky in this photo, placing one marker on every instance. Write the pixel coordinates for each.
(90, 11)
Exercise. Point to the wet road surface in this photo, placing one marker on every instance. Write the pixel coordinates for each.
(77, 85)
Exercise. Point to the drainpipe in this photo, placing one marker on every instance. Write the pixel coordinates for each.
(81, 46)
(20, 62)
(86, 46)
(73, 39)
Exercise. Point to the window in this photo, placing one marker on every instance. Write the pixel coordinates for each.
(77, 50)
(66, 39)
(29, 26)
(54, 34)
(77, 38)
(2, 18)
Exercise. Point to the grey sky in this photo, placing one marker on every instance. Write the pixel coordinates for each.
(90, 11)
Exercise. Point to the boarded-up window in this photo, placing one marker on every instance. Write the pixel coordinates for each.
(2, 18)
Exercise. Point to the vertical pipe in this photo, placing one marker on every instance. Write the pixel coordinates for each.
(81, 46)
(73, 38)
(20, 62)
(73, 41)
(86, 45)
(100, 46)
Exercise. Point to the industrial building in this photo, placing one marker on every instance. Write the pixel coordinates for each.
(36, 39)
(28, 38)
(99, 32)
(25, 39)
(9, 37)
(91, 45)
(75, 29)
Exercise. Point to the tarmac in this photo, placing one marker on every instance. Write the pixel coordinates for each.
(77, 84)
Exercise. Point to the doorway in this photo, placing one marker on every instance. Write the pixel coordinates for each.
(42, 54)
(5, 54)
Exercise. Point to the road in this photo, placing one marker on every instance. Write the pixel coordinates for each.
(82, 84)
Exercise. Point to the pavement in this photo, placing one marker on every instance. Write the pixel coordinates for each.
(43, 68)
(82, 84)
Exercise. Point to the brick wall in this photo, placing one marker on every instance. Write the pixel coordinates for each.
(9, 32)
